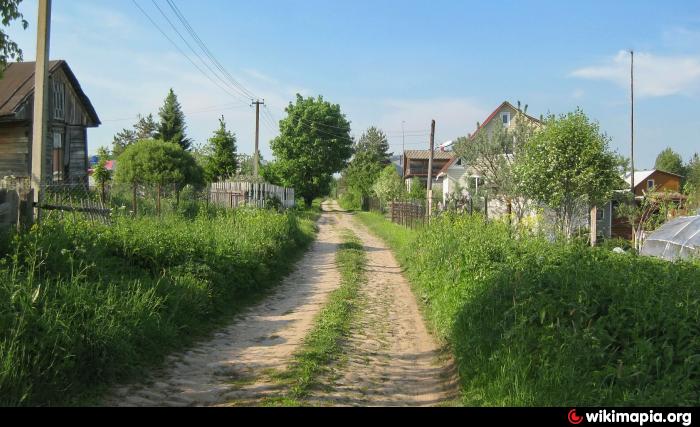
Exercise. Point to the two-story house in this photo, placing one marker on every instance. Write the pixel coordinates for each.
(70, 115)
(457, 175)
(415, 165)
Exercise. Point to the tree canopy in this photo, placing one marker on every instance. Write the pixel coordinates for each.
(172, 126)
(9, 49)
(157, 163)
(568, 166)
(492, 156)
(314, 143)
(371, 156)
(389, 186)
(144, 128)
(220, 153)
(670, 161)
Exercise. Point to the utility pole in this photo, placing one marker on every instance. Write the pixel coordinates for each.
(430, 170)
(632, 119)
(403, 149)
(256, 156)
(41, 104)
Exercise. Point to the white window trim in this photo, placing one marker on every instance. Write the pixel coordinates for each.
(506, 114)
(653, 184)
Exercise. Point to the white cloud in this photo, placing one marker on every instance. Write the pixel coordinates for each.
(655, 75)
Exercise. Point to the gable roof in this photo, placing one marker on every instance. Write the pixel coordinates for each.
(493, 115)
(425, 155)
(641, 176)
(17, 85)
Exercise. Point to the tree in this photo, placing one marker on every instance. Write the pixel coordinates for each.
(221, 160)
(418, 191)
(568, 166)
(158, 163)
(144, 128)
(172, 123)
(670, 161)
(371, 156)
(9, 49)
(314, 143)
(122, 140)
(101, 174)
(692, 184)
(493, 154)
(389, 185)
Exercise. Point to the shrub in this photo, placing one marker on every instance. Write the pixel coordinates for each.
(536, 323)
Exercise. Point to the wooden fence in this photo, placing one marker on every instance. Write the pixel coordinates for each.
(16, 199)
(408, 214)
(242, 193)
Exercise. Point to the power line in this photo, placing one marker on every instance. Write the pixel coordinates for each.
(189, 46)
(182, 52)
(211, 109)
(203, 46)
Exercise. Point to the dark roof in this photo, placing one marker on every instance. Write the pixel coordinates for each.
(425, 155)
(17, 85)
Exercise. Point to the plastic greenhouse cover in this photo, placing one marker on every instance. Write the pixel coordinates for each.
(678, 239)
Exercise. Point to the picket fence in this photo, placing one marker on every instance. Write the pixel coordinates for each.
(243, 193)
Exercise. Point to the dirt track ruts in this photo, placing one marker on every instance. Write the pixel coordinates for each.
(389, 360)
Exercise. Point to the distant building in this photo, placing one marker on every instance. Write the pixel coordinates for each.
(415, 165)
(70, 115)
(648, 182)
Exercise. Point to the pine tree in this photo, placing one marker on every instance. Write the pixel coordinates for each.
(146, 127)
(222, 161)
(122, 140)
(172, 122)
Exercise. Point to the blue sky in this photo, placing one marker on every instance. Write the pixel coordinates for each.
(390, 61)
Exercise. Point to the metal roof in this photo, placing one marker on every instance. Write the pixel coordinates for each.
(425, 155)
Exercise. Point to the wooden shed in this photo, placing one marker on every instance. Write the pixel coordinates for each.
(70, 114)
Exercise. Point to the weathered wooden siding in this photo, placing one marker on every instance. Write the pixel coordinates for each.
(14, 150)
(77, 143)
(75, 114)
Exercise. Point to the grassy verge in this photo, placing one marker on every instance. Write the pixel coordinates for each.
(323, 344)
(532, 323)
(83, 306)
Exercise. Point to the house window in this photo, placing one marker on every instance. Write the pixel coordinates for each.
(459, 162)
(600, 215)
(57, 157)
(506, 119)
(651, 184)
(59, 100)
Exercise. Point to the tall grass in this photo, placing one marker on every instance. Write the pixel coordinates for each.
(536, 323)
(84, 305)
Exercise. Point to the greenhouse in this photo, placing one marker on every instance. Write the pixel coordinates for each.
(678, 239)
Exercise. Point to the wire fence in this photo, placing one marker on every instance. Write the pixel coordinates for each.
(102, 203)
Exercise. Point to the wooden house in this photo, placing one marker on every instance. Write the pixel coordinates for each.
(70, 115)
(655, 183)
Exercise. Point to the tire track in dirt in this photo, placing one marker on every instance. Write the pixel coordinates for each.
(390, 359)
(233, 366)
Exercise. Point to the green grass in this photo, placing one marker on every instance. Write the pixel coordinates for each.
(534, 323)
(83, 306)
(323, 345)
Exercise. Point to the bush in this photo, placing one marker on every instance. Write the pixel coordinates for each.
(535, 323)
(82, 305)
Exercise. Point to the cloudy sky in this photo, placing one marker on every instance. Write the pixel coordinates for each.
(387, 62)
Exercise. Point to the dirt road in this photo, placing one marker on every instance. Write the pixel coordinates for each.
(389, 360)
